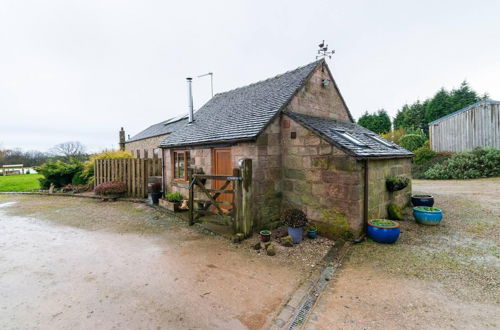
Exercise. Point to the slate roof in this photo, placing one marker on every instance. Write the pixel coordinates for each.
(242, 113)
(165, 127)
(488, 101)
(331, 130)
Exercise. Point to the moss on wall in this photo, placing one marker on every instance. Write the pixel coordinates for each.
(334, 224)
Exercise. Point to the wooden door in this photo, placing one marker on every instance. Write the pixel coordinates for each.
(222, 166)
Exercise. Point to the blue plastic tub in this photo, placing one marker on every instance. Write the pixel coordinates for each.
(296, 233)
(384, 233)
(427, 215)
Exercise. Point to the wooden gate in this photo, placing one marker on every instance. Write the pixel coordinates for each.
(238, 185)
(134, 172)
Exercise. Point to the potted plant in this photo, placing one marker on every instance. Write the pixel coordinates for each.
(265, 235)
(154, 193)
(173, 201)
(422, 200)
(111, 190)
(428, 215)
(312, 232)
(383, 230)
(295, 219)
(395, 183)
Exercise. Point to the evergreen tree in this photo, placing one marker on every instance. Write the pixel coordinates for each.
(378, 122)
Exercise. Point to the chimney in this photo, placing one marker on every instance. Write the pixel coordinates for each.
(122, 140)
(190, 100)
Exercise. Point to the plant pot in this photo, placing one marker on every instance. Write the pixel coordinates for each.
(154, 198)
(172, 206)
(383, 231)
(422, 200)
(265, 235)
(296, 233)
(426, 215)
(312, 234)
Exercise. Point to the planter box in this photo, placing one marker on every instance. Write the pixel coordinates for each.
(172, 206)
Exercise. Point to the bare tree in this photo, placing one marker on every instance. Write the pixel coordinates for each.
(70, 149)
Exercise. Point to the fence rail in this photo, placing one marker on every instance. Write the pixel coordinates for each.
(134, 172)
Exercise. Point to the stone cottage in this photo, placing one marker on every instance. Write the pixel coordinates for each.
(145, 143)
(306, 151)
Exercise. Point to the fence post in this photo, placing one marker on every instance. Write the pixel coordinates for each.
(244, 209)
(191, 197)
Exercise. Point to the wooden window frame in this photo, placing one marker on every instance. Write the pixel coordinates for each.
(186, 165)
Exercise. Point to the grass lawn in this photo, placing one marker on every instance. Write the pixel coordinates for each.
(20, 182)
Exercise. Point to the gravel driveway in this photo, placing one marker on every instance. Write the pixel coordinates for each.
(71, 263)
(443, 277)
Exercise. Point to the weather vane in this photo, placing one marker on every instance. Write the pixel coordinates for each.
(323, 51)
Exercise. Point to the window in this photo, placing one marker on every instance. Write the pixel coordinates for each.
(379, 140)
(156, 152)
(181, 161)
(145, 153)
(350, 138)
(138, 153)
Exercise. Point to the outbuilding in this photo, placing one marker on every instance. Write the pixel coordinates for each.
(477, 125)
(306, 150)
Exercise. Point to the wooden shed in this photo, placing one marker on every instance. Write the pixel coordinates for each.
(477, 125)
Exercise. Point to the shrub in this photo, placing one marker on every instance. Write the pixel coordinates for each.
(394, 212)
(174, 197)
(423, 154)
(478, 163)
(88, 167)
(412, 142)
(294, 218)
(395, 183)
(394, 136)
(78, 179)
(111, 188)
(75, 188)
(58, 173)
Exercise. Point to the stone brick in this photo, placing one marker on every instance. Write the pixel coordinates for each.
(294, 174)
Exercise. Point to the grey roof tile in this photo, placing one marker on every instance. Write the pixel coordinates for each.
(331, 130)
(165, 127)
(241, 113)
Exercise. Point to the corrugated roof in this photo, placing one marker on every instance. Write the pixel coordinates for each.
(163, 128)
(464, 109)
(359, 141)
(241, 113)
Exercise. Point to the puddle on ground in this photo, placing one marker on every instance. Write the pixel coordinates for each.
(7, 204)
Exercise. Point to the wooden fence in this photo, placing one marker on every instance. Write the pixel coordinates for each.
(134, 172)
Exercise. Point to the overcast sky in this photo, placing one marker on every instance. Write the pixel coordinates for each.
(79, 70)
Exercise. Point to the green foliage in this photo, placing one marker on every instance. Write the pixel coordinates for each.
(174, 197)
(394, 135)
(412, 141)
(78, 179)
(423, 154)
(419, 114)
(378, 122)
(111, 188)
(88, 167)
(395, 183)
(394, 212)
(419, 168)
(58, 173)
(20, 182)
(383, 223)
(427, 209)
(478, 163)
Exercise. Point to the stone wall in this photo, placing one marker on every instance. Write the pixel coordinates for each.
(379, 197)
(150, 145)
(266, 172)
(322, 180)
(315, 100)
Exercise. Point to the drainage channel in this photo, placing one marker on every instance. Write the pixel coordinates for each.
(311, 298)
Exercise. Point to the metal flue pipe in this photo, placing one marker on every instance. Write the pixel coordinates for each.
(190, 99)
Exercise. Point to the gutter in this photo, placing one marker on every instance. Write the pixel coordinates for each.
(365, 198)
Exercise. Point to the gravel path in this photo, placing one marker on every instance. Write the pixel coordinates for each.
(434, 277)
(71, 263)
